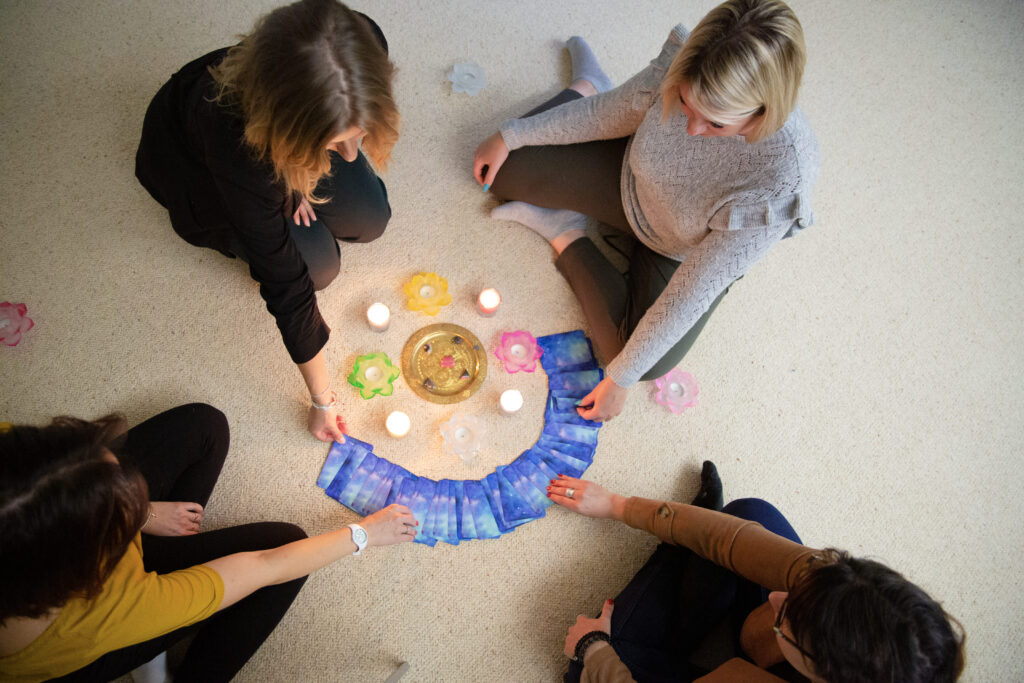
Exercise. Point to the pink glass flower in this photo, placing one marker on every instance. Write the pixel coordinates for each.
(676, 391)
(13, 322)
(447, 362)
(518, 351)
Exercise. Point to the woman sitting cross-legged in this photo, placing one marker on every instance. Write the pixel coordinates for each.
(98, 580)
(256, 151)
(701, 163)
(794, 612)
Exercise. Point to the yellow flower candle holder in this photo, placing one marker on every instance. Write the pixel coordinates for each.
(427, 292)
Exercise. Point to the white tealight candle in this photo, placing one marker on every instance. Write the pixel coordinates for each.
(379, 317)
(511, 401)
(488, 301)
(398, 424)
(518, 351)
(676, 389)
(427, 292)
(372, 373)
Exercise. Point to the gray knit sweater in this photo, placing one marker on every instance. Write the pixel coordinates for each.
(715, 204)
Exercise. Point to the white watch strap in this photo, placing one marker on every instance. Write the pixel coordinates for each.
(359, 537)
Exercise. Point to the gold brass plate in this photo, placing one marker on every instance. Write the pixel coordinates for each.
(444, 363)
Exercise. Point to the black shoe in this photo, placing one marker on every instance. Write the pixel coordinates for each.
(710, 494)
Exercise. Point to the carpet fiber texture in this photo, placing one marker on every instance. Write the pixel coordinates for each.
(865, 377)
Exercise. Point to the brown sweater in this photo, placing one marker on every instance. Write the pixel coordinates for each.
(743, 547)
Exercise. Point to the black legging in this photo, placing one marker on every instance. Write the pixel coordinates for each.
(585, 178)
(180, 453)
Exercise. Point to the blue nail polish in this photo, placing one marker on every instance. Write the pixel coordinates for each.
(487, 187)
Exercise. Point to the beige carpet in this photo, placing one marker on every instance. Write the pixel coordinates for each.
(866, 377)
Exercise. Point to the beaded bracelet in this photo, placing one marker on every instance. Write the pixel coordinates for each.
(586, 641)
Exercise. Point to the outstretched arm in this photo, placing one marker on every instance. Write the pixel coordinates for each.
(245, 573)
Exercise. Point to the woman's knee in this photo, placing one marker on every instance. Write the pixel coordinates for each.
(765, 514)
(360, 222)
(324, 269)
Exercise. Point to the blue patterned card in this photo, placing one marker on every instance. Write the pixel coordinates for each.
(568, 351)
(581, 380)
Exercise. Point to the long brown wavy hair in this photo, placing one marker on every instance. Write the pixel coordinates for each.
(306, 73)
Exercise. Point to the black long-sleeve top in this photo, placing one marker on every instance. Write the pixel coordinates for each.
(194, 160)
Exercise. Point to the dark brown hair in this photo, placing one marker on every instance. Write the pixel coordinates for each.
(863, 622)
(308, 72)
(67, 513)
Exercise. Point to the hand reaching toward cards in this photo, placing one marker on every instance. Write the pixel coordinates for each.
(174, 519)
(604, 402)
(393, 524)
(585, 625)
(326, 425)
(588, 499)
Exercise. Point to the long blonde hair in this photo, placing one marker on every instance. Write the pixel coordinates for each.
(745, 57)
(306, 73)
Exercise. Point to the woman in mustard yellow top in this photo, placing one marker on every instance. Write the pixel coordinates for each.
(87, 597)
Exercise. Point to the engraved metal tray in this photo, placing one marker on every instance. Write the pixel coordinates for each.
(444, 363)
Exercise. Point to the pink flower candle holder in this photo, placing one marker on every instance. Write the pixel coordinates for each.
(518, 351)
(677, 391)
(427, 292)
(13, 323)
(463, 435)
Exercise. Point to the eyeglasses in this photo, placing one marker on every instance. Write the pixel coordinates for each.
(778, 630)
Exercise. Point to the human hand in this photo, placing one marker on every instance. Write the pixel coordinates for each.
(490, 155)
(304, 213)
(588, 498)
(393, 524)
(583, 626)
(326, 425)
(174, 519)
(604, 402)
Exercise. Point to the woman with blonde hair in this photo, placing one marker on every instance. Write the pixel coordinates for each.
(255, 152)
(702, 159)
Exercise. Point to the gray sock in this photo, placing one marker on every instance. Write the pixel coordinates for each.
(548, 223)
(585, 65)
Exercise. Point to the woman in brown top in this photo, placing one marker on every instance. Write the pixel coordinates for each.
(828, 616)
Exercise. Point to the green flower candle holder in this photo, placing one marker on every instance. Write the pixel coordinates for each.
(374, 375)
(427, 292)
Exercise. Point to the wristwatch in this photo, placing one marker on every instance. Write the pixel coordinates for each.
(359, 537)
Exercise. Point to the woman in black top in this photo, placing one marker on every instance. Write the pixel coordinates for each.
(255, 152)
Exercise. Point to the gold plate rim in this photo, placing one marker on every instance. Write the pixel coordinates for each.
(417, 338)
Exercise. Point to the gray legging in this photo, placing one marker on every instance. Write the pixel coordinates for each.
(585, 177)
(358, 211)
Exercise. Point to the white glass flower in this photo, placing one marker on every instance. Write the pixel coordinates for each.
(463, 435)
(467, 77)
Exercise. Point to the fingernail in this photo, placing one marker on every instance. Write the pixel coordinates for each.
(487, 186)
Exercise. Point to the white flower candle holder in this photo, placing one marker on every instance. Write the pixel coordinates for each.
(463, 436)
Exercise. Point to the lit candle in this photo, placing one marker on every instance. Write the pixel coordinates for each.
(488, 301)
(511, 401)
(398, 424)
(379, 317)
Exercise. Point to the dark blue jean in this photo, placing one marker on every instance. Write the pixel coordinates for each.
(677, 599)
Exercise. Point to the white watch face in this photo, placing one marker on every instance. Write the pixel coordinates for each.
(359, 536)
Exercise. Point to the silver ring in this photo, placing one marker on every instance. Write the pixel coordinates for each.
(570, 493)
